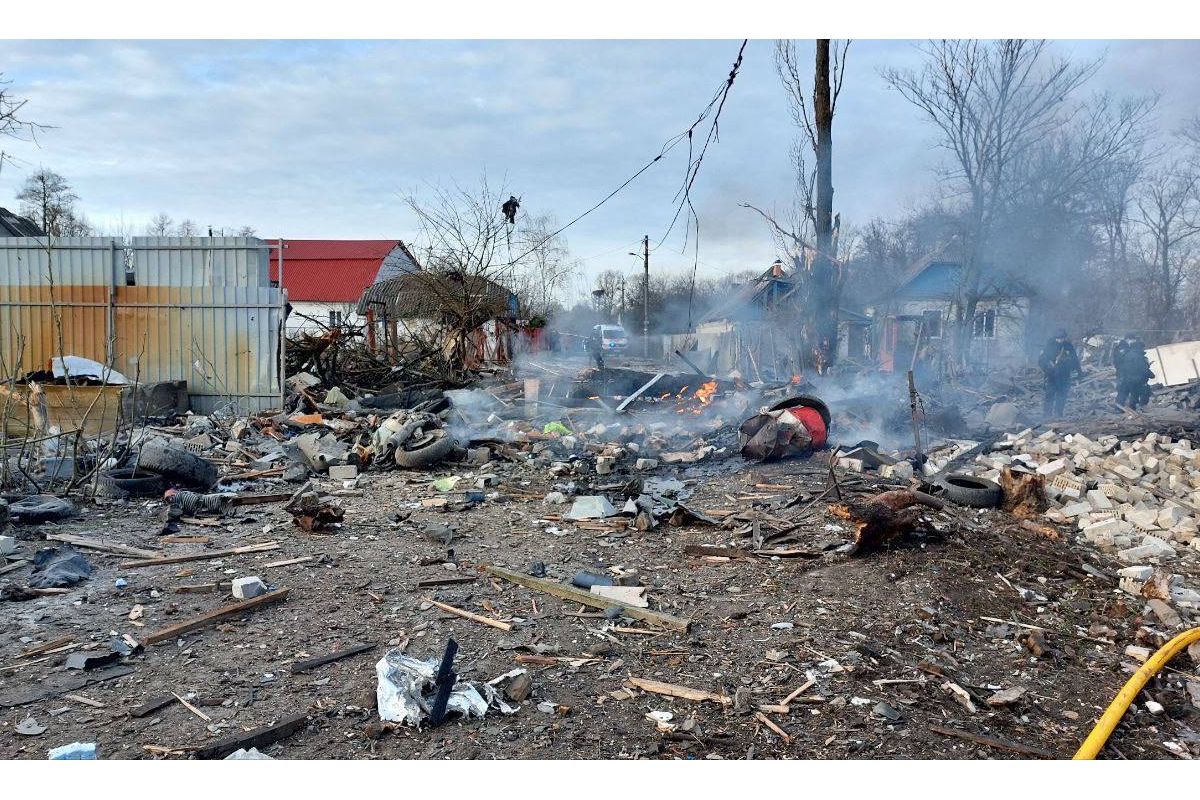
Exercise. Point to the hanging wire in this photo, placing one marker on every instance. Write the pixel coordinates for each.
(717, 102)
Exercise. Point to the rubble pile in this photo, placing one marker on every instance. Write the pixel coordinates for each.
(612, 570)
(1134, 500)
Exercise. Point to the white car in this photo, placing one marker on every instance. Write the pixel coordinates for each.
(612, 338)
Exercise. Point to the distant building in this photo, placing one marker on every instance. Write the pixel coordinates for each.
(753, 329)
(14, 225)
(325, 278)
(427, 307)
(919, 314)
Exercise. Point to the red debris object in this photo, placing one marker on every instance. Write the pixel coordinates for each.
(790, 428)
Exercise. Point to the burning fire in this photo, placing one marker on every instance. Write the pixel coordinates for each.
(703, 396)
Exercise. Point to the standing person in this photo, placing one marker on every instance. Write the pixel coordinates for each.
(1119, 352)
(1134, 374)
(1059, 362)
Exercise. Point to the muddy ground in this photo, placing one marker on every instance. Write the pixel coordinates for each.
(880, 635)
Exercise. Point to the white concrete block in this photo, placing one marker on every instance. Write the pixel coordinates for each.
(1099, 501)
(1055, 467)
(248, 587)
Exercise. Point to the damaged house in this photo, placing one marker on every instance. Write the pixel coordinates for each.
(748, 331)
(917, 319)
(324, 278)
(470, 318)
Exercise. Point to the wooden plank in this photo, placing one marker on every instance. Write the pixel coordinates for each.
(152, 705)
(50, 645)
(185, 539)
(65, 684)
(255, 499)
(684, 692)
(233, 551)
(317, 661)
(208, 618)
(289, 562)
(199, 588)
(447, 581)
(998, 744)
(793, 553)
(259, 737)
(15, 565)
(87, 701)
(589, 599)
(780, 732)
(102, 546)
(711, 550)
(193, 709)
(804, 687)
(458, 612)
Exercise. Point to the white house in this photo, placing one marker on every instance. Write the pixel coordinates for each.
(324, 278)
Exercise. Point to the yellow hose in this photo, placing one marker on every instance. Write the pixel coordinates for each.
(1094, 743)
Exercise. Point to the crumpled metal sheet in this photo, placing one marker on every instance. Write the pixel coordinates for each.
(405, 691)
(773, 435)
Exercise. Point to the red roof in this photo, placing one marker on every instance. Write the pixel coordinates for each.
(329, 270)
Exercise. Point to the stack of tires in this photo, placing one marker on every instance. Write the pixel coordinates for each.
(158, 464)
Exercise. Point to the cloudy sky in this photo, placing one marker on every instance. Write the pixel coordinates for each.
(323, 139)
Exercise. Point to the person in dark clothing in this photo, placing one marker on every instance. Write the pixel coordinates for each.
(509, 209)
(596, 349)
(1133, 373)
(1120, 349)
(1059, 362)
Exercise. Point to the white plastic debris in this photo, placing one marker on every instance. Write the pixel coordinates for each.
(406, 689)
(242, 754)
(80, 367)
(593, 506)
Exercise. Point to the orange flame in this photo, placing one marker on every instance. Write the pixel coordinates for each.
(796, 380)
(703, 396)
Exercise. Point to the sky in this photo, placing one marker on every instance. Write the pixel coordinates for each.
(324, 139)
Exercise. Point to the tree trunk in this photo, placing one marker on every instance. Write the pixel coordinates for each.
(823, 299)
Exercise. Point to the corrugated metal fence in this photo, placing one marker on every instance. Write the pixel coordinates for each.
(158, 308)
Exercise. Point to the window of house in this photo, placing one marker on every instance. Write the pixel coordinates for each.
(985, 325)
(335, 319)
(932, 324)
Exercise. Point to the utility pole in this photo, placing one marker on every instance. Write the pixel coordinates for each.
(824, 301)
(646, 296)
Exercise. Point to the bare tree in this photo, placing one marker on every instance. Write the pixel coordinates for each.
(246, 231)
(47, 199)
(187, 227)
(609, 295)
(13, 124)
(1169, 212)
(818, 265)
(471, 265)
(160, 225)
(547, 267)
(994, 105)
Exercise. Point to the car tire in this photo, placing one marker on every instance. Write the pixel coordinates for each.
(129, 482)
(967, 490)
(441, 445)
(177, 465)
(39, 508)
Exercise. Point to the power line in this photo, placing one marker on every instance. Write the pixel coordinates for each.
(718, 102)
